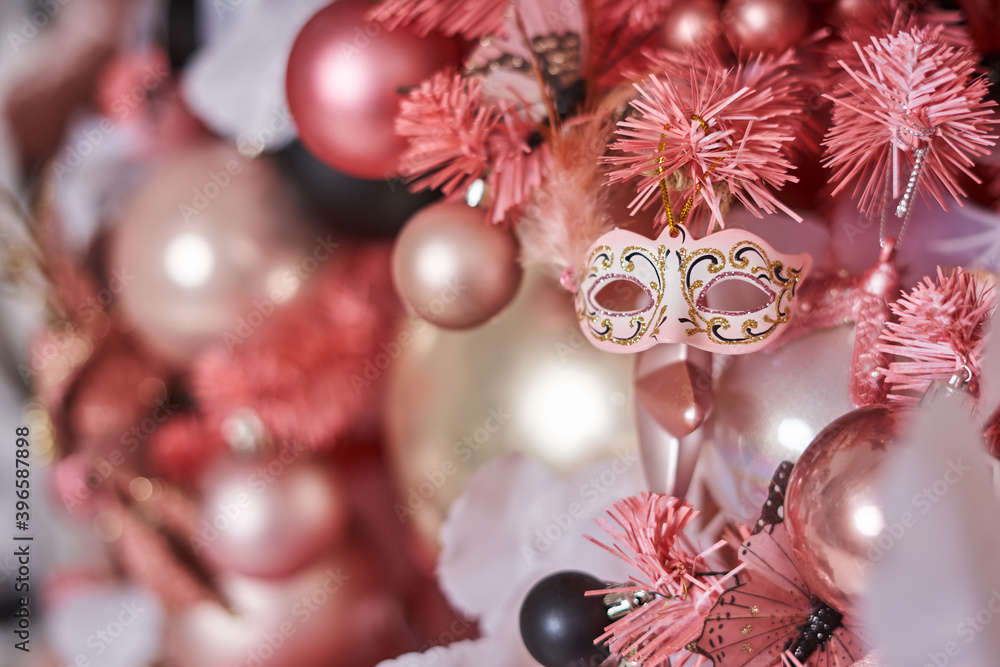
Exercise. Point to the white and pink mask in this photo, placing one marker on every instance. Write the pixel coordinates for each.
(672, 277)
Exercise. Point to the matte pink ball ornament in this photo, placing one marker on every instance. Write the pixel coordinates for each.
(834, 516)
(205, 239)
(270, 519)
(343, 81)
(764, 26)
(454, 269)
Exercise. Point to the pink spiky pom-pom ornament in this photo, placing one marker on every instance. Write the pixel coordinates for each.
(706, 134)
(650, 536)
(449, 128)
(908, 121)
(458, 136)
(939, 328)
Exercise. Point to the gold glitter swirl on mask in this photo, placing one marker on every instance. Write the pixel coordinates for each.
(710, 326)
(602, 250)
(601, 327)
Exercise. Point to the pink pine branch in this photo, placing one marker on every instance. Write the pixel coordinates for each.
(718, 135)
(913, 93)
(449, 126)
(471, 19)
(458, 135)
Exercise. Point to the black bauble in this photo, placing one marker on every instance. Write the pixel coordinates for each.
(559, 623)
(352, 207)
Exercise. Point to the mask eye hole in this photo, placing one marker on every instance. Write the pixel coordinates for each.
(622, 296)
(734, 294)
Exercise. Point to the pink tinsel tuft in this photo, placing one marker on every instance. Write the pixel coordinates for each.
(183, 446)
(712, 135)
(650, 537)
(471, 19)
(939, 328)
(308, 371)
(569, 210)
(449, 127)
(913, 95)
(457, 136)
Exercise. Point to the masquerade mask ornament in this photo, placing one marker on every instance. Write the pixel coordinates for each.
(669, 280)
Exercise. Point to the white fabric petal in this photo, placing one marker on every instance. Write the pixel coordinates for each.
(518, 522)
(483, 652)
(112, 627)
(236, 83)
(935, 591)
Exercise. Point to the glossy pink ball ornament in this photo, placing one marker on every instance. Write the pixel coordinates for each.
(694, 24)
(343, 81)
(832, 508)
(454, 269)
(764, 26)
(270, 519)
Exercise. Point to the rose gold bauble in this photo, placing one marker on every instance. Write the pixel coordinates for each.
(205, 238)
(692, 25)
(343, 80)
(454, 269)
(768, 26)
(832, 507)
(270, 518)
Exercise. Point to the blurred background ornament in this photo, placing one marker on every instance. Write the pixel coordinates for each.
(833, 510)
(343, 85)
(304, 368)
(269, 518)
(454, 269)
(768, 408)
(346, 205)
(768, 26)
(694, 24)
(549, 394)
(203, 241)
(333, 608)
